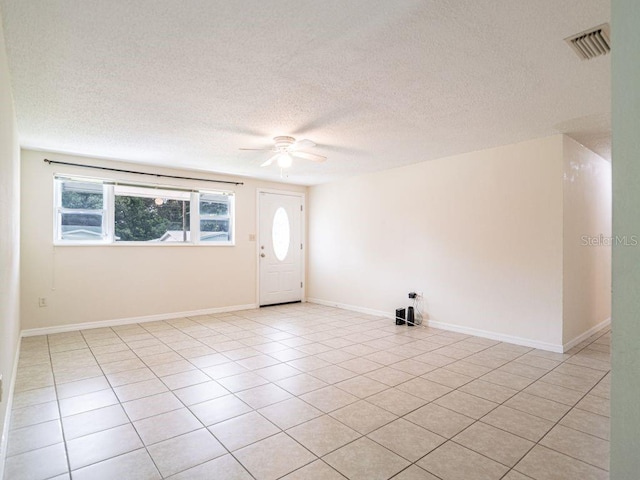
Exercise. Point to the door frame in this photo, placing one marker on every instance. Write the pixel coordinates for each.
(303, 238)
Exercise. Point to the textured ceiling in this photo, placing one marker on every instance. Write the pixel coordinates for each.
(375, 83)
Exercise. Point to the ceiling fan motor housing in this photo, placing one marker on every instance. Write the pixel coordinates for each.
(282, 143)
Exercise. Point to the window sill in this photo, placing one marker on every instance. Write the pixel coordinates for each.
(141, 244)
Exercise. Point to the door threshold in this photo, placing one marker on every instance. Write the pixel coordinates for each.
(283, 303)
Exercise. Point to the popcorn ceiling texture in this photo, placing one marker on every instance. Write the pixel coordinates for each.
(375, 84)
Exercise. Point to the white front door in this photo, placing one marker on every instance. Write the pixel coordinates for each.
(280, 248)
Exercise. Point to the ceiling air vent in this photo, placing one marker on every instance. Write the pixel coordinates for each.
(591, 43)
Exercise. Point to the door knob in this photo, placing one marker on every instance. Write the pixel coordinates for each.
(262, 255)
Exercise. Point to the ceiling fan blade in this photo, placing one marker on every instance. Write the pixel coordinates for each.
(309, 156)
(270, 161)
(304, 143)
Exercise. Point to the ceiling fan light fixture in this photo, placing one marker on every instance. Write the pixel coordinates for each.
(284, 160)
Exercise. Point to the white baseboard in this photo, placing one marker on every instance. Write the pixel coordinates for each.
(353, 308)
(572, 343)
(128, 321)
(450, 327)
(500, 337)
(7, 417)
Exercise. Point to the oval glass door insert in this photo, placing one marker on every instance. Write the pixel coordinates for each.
(280, 234)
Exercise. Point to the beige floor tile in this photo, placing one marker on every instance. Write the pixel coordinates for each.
(225, 467)
(440, 420)
(595, 404)
(469, 369)
(152, 405)
(414, 473)
(168, 364)
(219, 409)
(166, 425)
(363, 416)
(263, 395)
(136, 465)
(455, 462)
(307, 364)
(569, 381)
(389, 376)
(93, 421)
(587, 422)
(200, 393)
(102, 445)
(508, 380)
(82, 387)
(243, 381)
(243, 430)
(43, 412)
(289, 413)
(582, 446)
(406, 439)
(39, 464)
(412, 367)
(87, 402)
(329, 398)
(130, 376)
(448, 378)
(34, 397)
(361, 386)
(332, 374)
(323, 435)
(488, 391)
(184, 379)
(185, 451)
(513, 475)
(522, 370)
(317, 470)
(366, 460)
(396, 401)
(360, 365)
(213, 359)
(122, 366)
(36, 436)
(224, 370)
(301, 384)
(466, 404)
(274, 457)
(133, 391)
(519, 423)
(556, 393)
(542, 463)
(277, 372)
(494, 443)
(424, 389)
(538, 406)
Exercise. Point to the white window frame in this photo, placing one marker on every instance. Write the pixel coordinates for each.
(110, 188)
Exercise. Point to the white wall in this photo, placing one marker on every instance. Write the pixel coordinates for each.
(92, 283)
(586, 240)
(625, 331)
(9, 238)
(480, 234)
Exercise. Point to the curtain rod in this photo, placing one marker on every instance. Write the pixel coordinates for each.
(50, 162)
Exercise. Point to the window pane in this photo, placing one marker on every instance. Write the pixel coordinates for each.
(82, 195)
(81, 226)
(214, 231)
(280, 234)
(144, 219)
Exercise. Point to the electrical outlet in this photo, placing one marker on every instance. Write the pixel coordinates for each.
(252, 237)
(42, 301)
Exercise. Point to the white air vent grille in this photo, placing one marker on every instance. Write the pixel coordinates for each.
(591, 43)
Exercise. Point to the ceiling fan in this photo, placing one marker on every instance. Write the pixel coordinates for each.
(287, 147)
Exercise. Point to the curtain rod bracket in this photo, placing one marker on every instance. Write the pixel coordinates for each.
(51, 162)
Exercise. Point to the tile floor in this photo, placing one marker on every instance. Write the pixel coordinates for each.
(305, 392)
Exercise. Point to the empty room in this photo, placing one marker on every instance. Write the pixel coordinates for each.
(319, 240)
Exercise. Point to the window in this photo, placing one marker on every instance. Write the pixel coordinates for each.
(96, 211)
